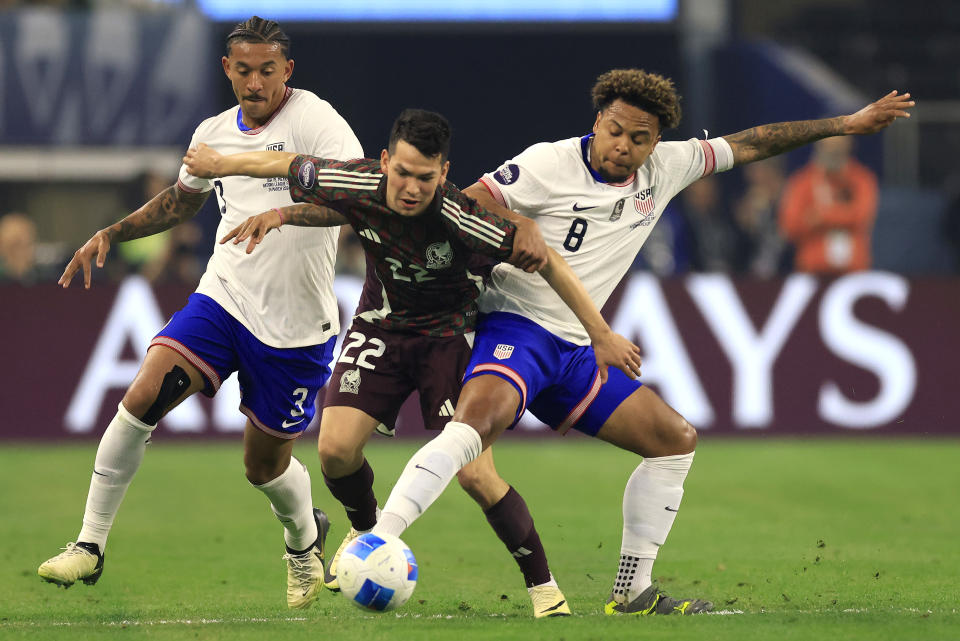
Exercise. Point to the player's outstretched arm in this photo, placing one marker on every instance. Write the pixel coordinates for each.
(167, 209)
(764, 141)
(529, 248)
(609, 347)
(306, 215)
(205, 162)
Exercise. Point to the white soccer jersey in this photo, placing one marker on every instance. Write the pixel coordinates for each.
(283, 291)
(597, 227)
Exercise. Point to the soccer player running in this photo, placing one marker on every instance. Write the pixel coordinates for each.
(273, 317)
(413, 328)
(596, 199)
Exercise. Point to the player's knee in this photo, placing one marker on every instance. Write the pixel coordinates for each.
(470, 479)
(150, 402)
(684, 436)
(260, 467)
(478, 415)
(337, 456)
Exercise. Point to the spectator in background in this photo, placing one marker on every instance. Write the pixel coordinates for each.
(950, 226)
(351, 258)
(710, 239)
(828, 210)
(760, 247)
(18, 243)
(171, 256)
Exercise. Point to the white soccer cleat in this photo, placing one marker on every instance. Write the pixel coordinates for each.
(548, 601)
(330, 574)
(304, 578)
(305, 571)
(78, 561)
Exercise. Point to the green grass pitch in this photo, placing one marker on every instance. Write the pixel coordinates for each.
(792, 540)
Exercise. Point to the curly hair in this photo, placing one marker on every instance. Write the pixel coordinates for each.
(260, 31)
(651, 92)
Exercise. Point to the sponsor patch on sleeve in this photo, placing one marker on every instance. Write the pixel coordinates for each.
(507, 175)
(307, 175)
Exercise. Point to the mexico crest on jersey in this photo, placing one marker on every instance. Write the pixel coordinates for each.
(350, 382)
(502, 352)
(439, 255)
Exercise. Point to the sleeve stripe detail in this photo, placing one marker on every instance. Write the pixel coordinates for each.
(188, 189)
(465, 227)
(476, 219)
(494, 190)
(348, 185)
(469, 224)
(348, 175)
(709, 158)
(722, 154)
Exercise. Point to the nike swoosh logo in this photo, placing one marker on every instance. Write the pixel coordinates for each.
(426, 470)
(670, 509)
(100, 473)
(289, 424)
(577, 207)
(556, 606)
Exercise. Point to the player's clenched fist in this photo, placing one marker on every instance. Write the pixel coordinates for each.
(202, 161)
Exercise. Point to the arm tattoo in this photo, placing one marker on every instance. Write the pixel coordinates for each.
(764, 141)
(167, 209)
(309, 215)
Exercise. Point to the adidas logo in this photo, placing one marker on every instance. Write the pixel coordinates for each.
(369, 234)
(447, 408)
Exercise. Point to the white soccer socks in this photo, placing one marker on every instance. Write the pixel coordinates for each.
(650, 504)
(291, 500)
(426, 476)
(118, 458)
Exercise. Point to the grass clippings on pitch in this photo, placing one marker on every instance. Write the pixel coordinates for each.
(791, 539)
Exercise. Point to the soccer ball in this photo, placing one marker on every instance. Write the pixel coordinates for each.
(377, 572)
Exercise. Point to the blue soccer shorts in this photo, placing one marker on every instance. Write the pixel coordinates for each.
(557, 380)
(278, 386)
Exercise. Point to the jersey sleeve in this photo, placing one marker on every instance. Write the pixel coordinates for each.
(521, 184)
(682, 163)
(322, 181)
(187, 181)
(324, 133)
(481, 230)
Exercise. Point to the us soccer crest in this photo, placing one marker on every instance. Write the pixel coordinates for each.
(645, 205)
(502, 352)
(350, 382)
(439, 255)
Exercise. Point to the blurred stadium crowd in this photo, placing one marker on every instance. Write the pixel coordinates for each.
(766, 220)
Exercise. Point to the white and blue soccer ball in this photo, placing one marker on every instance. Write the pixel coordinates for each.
(377, 572)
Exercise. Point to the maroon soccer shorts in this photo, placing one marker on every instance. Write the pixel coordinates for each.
(378, 369)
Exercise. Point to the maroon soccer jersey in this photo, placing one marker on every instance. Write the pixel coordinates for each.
(418, 267)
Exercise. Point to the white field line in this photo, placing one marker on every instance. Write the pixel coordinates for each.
(404, 615)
